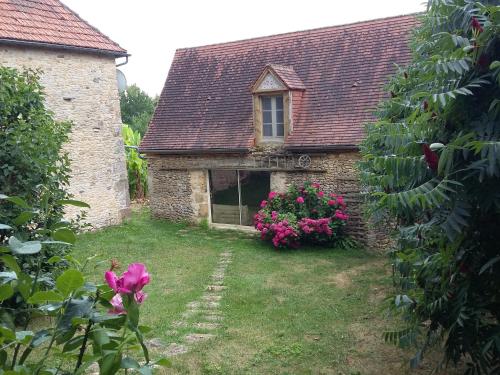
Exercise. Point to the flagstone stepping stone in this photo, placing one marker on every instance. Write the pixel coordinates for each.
(175, 349)
(179, 324)
(213, 318)
(208, 326)
(216, 288)
(211, 297)
(197, 337)
(155, 343)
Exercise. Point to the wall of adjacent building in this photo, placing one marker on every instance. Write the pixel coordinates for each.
(179, 185)
(81, 87)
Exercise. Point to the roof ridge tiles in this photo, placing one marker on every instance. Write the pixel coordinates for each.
(305, 31)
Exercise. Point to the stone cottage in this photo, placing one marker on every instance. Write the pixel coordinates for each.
(78, 65)
(236, 120)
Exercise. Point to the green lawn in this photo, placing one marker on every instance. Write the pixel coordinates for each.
(308, 311)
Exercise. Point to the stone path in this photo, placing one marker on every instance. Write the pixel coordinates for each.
(202, 317)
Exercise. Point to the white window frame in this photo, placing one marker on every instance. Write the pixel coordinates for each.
(274, 123)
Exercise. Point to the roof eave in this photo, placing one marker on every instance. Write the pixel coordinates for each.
(197, 151)
(20, 42)
(322, 148)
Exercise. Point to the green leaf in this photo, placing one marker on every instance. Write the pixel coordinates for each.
(5, 227)
(24, 336)
(100, 337)
(6, 291)
(73, 202)
(40, 338)
(164, 362)
(69, 281)
(17, 201)
(24, 248)
(24, 284)
(45, 296)
(146, 370)
(73, 344)
(64, 235)
(128, 362)
(11, 263)
(23, 218)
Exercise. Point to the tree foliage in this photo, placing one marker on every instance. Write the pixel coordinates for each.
(137, 167)
(432, 163)
(137, 108)
(31, 156)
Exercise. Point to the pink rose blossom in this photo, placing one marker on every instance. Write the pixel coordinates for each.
(300, 200)
(117, 304)
(272, 194)
(111, 279)
(140, 297)
(263, 204)
(331, 202)
(321, 194)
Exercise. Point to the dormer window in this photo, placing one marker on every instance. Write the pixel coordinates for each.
(273, 93)
(273, 124)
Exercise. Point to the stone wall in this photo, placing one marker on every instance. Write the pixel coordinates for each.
(81, 87)
(179, 190)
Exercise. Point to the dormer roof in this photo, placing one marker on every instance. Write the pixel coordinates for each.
(277, 77)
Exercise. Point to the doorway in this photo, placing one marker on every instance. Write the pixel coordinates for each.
(236, 195)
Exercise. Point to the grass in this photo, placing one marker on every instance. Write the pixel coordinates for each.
(308, 311)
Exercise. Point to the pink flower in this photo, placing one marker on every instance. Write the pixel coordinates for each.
(117, 304)
(321, 194)
(140, 296)
(111, 279)
(263, 204)
(272, 194)
(315, 185)
(132, 280)
(274, 216)
(135, 278)
(331, 202)
(300, 200)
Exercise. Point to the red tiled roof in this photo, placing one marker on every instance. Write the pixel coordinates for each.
(206, 103)
(49, 22)
(289, 76)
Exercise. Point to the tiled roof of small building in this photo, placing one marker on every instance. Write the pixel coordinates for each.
(51, 23)
(206, 104)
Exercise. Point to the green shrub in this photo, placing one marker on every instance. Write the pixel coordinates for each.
(432, 162)
(305, 215)
(32, 160)
(137, 168)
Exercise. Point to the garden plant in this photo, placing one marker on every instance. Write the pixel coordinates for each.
(69, 324)
(301, 215)
(137, 167)
(431, 164)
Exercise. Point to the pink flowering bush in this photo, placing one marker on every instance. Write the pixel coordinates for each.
(302, 215)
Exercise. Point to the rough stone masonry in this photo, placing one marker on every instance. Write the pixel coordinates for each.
(81, 87)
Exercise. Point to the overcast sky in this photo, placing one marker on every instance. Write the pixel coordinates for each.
(151, 30)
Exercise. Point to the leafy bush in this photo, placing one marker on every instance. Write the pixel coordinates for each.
(137, 168)
(32, 160)
(305, 215)
(432, 162)
(76, 323)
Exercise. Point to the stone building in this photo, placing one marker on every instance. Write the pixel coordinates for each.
(78, 65)
(236, 120)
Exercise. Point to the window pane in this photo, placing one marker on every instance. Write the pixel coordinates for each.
(268, 130)
(267, 117)
(280, 130)
(279, 117)
(224, 197)
(266, 103)
(279, 102)
(254, 188)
